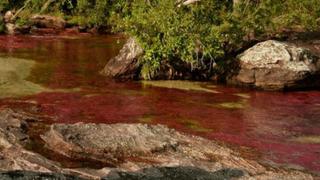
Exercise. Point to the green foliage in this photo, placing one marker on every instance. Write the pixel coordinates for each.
(2, 28)
(3, 7)
(210, 29)
(88, 13)
(273, 16)
(199, 33)
(169, 32)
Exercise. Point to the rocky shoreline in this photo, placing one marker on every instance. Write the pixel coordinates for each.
(270, 65)
(45, 25)
(267, 65)
(122, 151)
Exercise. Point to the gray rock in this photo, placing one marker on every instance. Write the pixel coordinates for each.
(133, 151)
(176, 173)
(125, 65)
(28, 175)
(273, 65)
(10, 28)
(135, 148)
(8, 17)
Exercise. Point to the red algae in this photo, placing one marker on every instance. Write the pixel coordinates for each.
(265, 121)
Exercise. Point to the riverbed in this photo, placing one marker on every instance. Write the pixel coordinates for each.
(63, 80)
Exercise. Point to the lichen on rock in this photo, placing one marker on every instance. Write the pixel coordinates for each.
(274, 65)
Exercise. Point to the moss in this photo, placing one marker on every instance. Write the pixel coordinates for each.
(13, 73)
(181, 85)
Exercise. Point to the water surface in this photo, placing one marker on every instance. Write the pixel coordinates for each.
(272, 127)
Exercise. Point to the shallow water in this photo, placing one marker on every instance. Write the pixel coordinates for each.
(281, 128)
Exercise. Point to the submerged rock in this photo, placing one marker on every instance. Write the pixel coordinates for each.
(274, 65)
(13, 74)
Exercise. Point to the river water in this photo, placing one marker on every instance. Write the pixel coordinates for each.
(281, 129)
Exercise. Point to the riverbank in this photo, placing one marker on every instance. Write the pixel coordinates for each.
(105, 151)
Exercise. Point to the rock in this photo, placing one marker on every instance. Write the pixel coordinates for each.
(25, 175)
(18, 162)
(24, 29)
(133, 151)
(8, 17)
(44, 31)
(46, 21)
(109, 143)
(13, 29)
(273, 65)
(138, 147)
(125, 65)
(10, 28)
(173, 173)
(13, 136)
(13, 126)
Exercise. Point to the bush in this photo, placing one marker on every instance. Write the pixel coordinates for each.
(210, 29)
(168, 32)
(3, 8)
(205, 31)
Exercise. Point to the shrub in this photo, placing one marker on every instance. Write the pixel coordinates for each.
(3, 8)
(210, 29)
(194, 34)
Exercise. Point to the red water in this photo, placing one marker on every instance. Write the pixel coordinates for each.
(268, 122)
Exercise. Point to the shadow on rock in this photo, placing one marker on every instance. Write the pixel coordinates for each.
(28, 175)
(173, 173)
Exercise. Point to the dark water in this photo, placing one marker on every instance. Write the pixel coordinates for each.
(272, 127)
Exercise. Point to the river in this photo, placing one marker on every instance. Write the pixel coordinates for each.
(280, 129)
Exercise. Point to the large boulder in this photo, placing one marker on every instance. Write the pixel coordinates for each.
(155, 152)
(125, 65)
(274, 65)
(130, 151)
